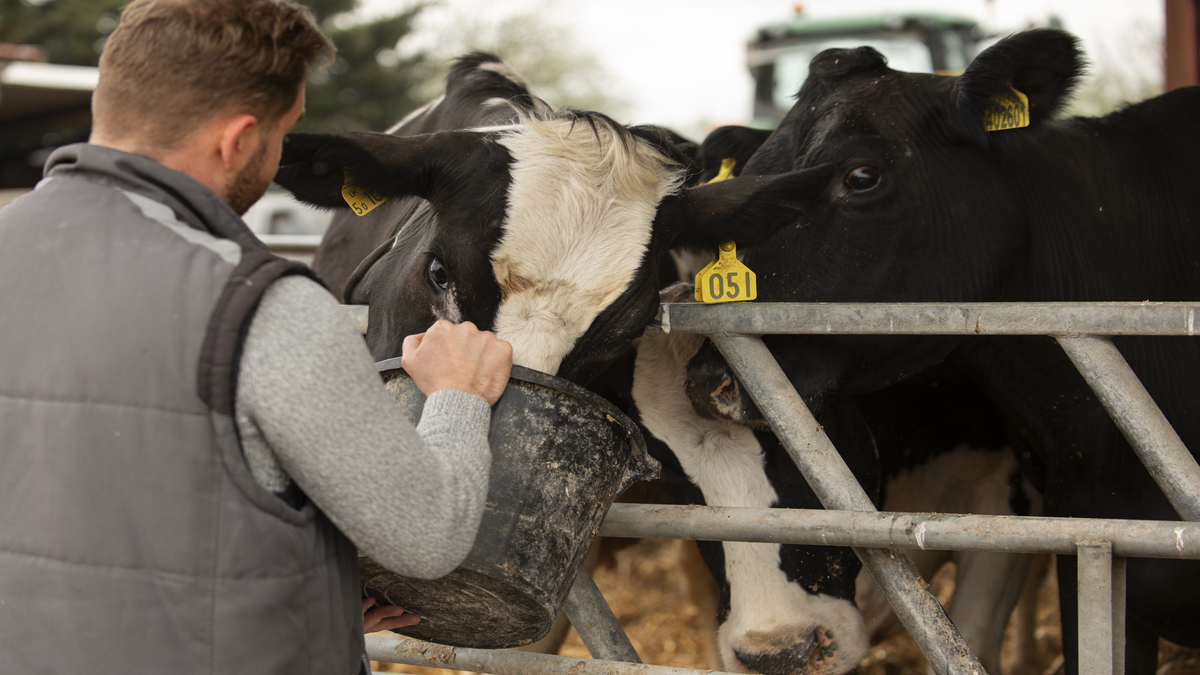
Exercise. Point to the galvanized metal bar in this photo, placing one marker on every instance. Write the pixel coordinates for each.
(1026, 318)
(1140, 420)
(593, 619)
(932, 531)
(837, 488)
(1095, 608)
(1066, 318)
(822, 466)
(390, 649)
(1118, 614)
(357, 314)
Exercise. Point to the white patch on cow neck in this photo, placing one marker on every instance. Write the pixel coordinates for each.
(416, 113)
(725, 461)
(581, 206)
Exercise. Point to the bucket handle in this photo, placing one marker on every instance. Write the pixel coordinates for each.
(643, 466)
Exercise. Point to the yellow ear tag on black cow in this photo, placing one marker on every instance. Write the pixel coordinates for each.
(1008, 110)
(726, 171)
(726, 279)
(360, 200)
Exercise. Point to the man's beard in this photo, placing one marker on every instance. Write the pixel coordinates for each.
(248, 186)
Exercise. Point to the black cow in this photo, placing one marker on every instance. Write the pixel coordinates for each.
(926, 205)
(544, 226)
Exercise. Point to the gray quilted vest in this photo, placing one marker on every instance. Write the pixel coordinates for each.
(133, 538)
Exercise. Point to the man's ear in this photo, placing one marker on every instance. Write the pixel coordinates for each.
(315, 167)
(239, 141)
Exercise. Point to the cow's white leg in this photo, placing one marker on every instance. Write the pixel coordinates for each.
(1025, 617)
(770, 616)
(880, 620)
(987, 585)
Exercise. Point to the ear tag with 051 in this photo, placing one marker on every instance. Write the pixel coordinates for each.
(361, 201)
(726, 279)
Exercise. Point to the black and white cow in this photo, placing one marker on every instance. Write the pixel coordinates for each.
(544, 226)
(927, 205)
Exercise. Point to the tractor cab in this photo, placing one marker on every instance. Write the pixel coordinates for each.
(779, 54)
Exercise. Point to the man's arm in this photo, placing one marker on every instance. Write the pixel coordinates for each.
(410, 498)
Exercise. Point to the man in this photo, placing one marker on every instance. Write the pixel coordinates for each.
(193, 441)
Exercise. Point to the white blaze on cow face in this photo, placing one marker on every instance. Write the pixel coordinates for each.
(725, 461)
(448, 310)
(581, 206)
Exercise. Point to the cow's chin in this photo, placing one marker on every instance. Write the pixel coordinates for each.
(832, 644)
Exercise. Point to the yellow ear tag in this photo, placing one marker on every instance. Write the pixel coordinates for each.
(1009, 110)
(360, 200)
(726, 279)
(726, 171)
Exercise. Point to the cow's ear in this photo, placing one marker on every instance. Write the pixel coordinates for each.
(744, 210)
(316, 167)
(729, 142)
(1044, 64)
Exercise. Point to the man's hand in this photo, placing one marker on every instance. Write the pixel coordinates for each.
(386, 617)
(459, 357)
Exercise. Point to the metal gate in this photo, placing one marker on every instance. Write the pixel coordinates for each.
(1082, 329)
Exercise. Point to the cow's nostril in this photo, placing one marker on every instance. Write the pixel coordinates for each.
(789, 652)
(824, 648)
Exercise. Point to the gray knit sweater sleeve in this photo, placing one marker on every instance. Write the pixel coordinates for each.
(311, 408)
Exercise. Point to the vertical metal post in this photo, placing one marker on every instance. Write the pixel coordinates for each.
(594, 621)
(837, 488)
(1140, 420)
(1101, 632)
(1118, 614)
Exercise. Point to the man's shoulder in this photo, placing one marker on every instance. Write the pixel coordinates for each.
(61, 197)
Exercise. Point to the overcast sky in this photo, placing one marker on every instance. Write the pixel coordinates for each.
(682, 62)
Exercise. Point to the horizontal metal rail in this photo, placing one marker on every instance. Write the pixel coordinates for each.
(933, 531)
(501, 662)
(1070, 318)
(1025, 318)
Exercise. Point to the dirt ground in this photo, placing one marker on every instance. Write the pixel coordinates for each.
(646, 591)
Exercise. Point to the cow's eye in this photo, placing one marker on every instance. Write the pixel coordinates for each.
(862, 178)
(437, 274)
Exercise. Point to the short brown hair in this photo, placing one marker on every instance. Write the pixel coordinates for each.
(171, 65)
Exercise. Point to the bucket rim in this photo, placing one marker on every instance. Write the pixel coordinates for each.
(649, 466)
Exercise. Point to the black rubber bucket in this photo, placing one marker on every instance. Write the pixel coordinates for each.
(560, 455)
